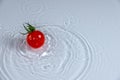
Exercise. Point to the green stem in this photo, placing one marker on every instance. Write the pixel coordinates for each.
(29, 28)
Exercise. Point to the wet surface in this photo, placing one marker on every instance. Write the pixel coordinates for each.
(63, 55)
(66, 55)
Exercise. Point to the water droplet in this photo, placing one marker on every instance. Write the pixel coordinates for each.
(0, 26)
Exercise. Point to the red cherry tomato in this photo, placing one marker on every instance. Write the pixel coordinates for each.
(35, 39)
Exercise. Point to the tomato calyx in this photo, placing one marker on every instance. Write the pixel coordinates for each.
(34, 38)
(29, 28)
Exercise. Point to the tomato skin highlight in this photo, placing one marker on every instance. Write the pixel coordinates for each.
(35, 39)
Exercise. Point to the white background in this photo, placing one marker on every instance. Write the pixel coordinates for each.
(97, 20)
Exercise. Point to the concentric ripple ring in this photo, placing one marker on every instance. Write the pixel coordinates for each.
(64, 56)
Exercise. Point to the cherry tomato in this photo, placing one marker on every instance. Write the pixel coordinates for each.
(35, 38)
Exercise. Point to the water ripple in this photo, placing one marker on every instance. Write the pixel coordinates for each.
(32, 8)
(65, 56)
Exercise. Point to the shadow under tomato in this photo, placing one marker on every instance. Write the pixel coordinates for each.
(11, 42)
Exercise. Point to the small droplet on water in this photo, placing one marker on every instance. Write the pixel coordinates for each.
(0, 26)
(64, 54)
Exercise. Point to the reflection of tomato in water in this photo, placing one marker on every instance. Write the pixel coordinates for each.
(35, 38)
